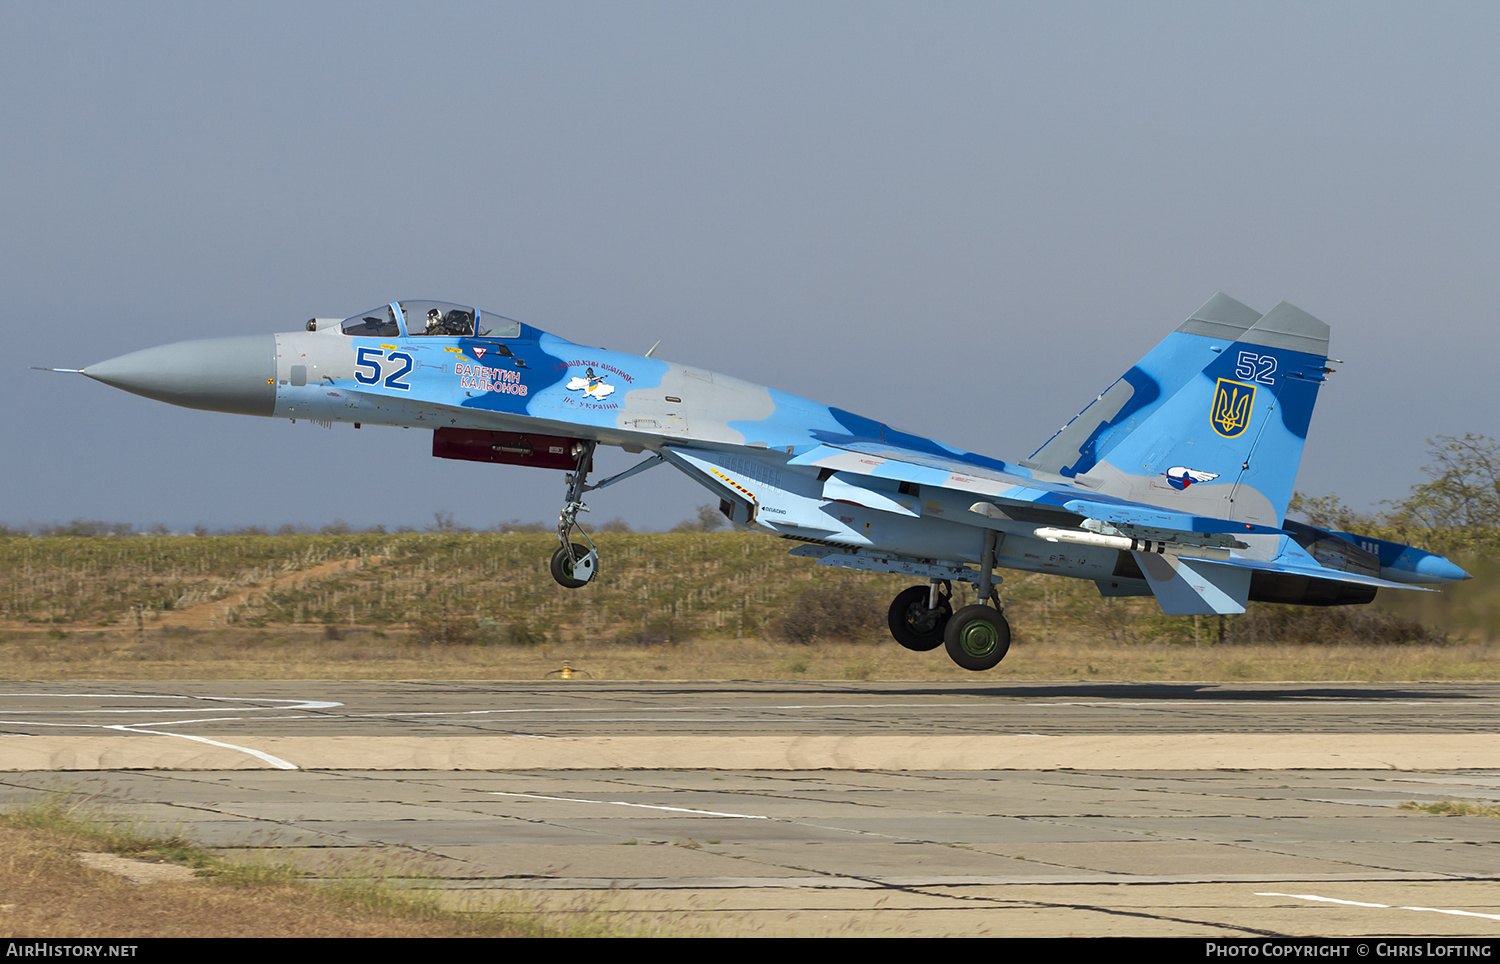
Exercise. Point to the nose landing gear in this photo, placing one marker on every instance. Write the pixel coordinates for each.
(574, 565)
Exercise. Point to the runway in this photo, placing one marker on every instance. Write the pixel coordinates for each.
(825, 808)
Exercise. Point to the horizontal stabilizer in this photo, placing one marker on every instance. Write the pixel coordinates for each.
(1286, 565)
(1194, 587)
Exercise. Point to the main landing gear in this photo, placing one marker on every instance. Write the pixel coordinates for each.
(922, 619)
(976, 637)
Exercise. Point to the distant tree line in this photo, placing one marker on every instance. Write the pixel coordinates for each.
(706, 519)
(1456, 510)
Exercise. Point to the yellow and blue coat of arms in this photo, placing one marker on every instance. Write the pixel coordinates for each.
(1233, 403)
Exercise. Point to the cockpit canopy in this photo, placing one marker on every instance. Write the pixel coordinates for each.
(414, 318)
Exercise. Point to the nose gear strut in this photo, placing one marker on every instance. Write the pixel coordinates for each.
(574, 565)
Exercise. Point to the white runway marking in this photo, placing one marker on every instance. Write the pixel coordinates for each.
(221, 719)
(173, 713)
(622, 803)
(219, 705)
(274, 761)
(1360, 903)
(218, 701)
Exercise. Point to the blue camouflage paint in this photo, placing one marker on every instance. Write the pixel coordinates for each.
(1145, 391)
(1199, 441)
(863, 430)
(1296, 393)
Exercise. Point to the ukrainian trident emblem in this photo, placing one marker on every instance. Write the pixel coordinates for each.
(1233, 402)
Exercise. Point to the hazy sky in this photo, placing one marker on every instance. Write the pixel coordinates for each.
(963, 219)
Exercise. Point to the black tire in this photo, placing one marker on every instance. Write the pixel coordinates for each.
(562, 567)
(977, 638)
(914, 625)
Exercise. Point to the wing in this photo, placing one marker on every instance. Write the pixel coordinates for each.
(1193, 564)
(1019, 495)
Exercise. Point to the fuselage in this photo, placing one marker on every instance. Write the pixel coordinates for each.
(736, 437)
(800, 468)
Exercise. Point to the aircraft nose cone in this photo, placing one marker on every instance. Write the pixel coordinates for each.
(235, 375)
(1439, 569)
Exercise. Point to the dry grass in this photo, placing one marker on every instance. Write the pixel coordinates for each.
(1453, 808)
(670, 606)
(49, 892)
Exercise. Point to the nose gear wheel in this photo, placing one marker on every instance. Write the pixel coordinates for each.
(576, 568)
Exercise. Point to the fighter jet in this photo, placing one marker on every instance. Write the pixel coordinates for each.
(1173, 482)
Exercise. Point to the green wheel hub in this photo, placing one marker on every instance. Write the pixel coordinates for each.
(979, 639)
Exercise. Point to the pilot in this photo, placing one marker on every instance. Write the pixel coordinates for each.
(435, 322)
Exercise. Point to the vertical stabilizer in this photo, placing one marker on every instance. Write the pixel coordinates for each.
(1212, 421)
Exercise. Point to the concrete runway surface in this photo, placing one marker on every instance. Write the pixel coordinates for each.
(912, 809)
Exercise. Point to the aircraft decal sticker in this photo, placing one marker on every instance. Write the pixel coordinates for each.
(734, 485)
(592, 385)
(375, 367)
(484, 379)
(1260, 368)
(1233, 402)
(1180, 477)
